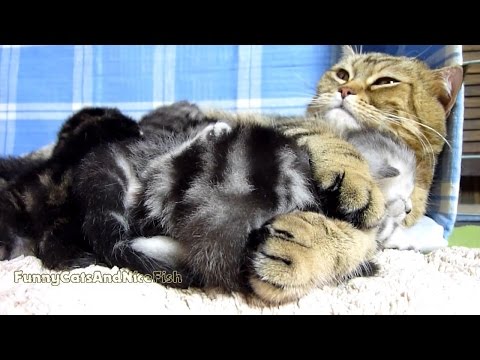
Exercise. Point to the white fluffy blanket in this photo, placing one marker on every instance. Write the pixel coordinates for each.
(446, 281)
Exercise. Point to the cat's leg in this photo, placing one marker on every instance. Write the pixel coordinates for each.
(343, 179)
(300, 251)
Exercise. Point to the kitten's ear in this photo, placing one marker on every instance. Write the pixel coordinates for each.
(387, 171)
(347, 50)
(452, 78)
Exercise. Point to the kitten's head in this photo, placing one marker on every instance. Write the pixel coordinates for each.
(400, 95)
(393, 166)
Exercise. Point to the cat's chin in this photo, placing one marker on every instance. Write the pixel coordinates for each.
(341, 120)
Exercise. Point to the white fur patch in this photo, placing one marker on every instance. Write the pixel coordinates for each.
(161, 248)
(120, 219)
(341, 120)
(133, 185)
(301, 196)
(215, 130)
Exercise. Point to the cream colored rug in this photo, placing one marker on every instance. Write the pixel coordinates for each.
(446, 281)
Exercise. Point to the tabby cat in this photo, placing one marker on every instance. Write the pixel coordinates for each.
(304, 208)
(397, 95)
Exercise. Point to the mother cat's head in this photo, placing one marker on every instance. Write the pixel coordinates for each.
(399, 94)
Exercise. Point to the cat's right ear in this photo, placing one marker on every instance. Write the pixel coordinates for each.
(451, 82)
(347, 50)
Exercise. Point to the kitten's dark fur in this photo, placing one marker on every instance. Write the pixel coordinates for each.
(187, 195)
(38, 215)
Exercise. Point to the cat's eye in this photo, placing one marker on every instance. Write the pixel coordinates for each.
(385, 81)
(342, 74)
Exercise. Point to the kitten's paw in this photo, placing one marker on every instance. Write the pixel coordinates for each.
(352, 196)
(216, 130)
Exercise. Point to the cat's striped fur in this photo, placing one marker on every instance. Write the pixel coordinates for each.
(321, 204)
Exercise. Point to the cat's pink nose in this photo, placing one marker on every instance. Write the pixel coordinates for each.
(345, 91)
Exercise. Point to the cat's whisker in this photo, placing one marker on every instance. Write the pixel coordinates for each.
(419, 122)
(373, 114)
(420, 135)
(423, 52)
(417, 133)
(322, 99)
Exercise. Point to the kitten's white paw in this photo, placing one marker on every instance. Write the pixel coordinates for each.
(215, 130)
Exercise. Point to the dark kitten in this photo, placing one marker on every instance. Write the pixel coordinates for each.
(38, 215)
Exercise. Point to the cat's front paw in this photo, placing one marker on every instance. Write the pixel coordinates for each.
(345, 185)
(284, 263)
(299, 251)
(352, 196)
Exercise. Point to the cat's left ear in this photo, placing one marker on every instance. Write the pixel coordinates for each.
(452, 78)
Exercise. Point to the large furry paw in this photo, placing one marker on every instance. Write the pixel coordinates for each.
(343, 179)
(299, 251)
(352, 196)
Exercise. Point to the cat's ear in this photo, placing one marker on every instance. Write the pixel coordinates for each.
(387, 171)
(452, 78)
(347, 50)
